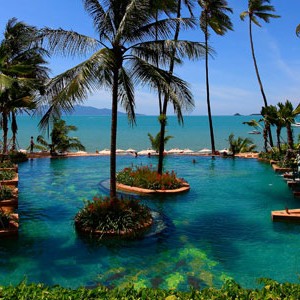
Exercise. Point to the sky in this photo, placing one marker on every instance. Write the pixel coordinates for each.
(233, 83)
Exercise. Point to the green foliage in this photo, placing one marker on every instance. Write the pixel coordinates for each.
(7, 164)
(17, 157)
(121, 216)
(5, 192)
(60, 141)
(146, 178)
(240, 145)
(230, 290)
(155, 140)
(4, 220)
(7, 174)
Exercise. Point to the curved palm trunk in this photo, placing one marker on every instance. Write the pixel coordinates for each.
(113, 136)
(163, 113)
(258, 78)
(5, 131)
(211, 129)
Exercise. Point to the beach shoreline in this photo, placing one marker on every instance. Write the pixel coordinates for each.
(89, 154)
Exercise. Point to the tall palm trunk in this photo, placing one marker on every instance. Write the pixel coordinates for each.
(258, 78)
(113, 135)
(278, 132)
(14, 129)
(5, 131)
(163, 115)
(211, 129)
(290, 139)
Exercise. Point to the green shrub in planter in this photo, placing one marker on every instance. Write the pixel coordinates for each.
(5, 193)
(17, 157)
(4, 220)
(147, 178)
(121, 217)
(7, 164)
(7, 175)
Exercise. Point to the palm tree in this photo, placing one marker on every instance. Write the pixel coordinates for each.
(240, 145)
(258, 9)
(124, 54)
(213, 16)
(288, 114)
(155, 140)
(163, 104)
(60, 141)
(22, 73)
(276, 119)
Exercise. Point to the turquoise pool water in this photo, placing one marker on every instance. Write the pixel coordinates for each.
(220, 229)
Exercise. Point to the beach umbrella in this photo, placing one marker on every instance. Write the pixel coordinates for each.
(175, 151)
(105, 151)
(224, 151)
(146, 152)
(205, 151)
(187, 151)
(120, 151)
(130, 150)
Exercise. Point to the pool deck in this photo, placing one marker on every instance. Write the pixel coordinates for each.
(287, 215)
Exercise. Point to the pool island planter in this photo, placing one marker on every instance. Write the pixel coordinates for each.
(131, 233)
(13, 227)
(141, 191)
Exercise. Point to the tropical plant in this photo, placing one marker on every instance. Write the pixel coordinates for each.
(17, 156)
(60, 141)
(155, 140)
(287, 116)
(213, 16)
(185, 103)
(147, 178)
(259, 9)
(240, 145)
(22, 73)
(124, 54)
(7, 174)
(5, 192)
(125, 218)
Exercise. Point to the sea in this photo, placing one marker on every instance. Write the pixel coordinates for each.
(194, 134)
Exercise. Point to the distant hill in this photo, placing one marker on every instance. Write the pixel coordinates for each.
(80, 110)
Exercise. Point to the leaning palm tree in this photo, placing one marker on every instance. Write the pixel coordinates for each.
(123, 54)
(213, 16)
(259, 9)
(240, 145)
(22, 72)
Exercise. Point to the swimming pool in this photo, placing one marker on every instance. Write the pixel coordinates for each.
(220, 229)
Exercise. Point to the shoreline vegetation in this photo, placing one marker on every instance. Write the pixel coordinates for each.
(230, 290)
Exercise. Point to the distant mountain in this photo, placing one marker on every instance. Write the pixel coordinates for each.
(80, 110)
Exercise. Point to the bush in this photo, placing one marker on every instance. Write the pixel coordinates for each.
(4, 220)
(119, 217)
(5, 193)
(230, 290)
(146, 178)
(7, 175)
(17, 157)
(7, 164)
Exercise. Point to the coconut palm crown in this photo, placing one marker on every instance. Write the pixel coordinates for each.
(124, 54)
